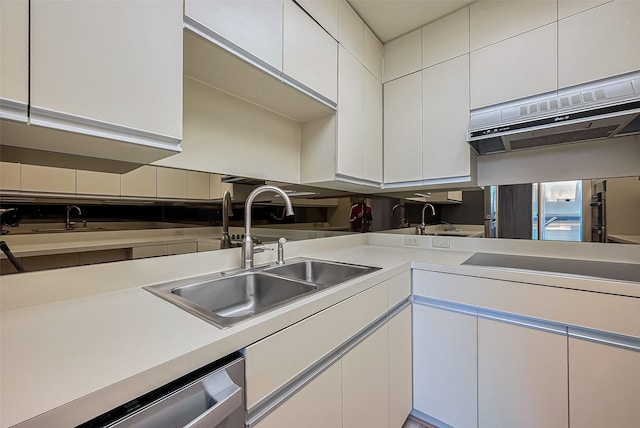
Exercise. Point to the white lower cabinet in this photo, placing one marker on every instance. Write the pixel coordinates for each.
(445, 365)
(522, 376)
(400, 368)
(604, 384)
(356, 372)
(365, 382)
(317, 405)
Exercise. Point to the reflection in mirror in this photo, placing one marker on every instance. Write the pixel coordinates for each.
(598, 210)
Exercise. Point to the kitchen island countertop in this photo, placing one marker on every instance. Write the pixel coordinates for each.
(89, 338)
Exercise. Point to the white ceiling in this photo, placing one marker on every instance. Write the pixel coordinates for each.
(389, 19)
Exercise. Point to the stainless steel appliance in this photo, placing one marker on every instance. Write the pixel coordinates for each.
(212, 396)
(599, 211)
(595, 110)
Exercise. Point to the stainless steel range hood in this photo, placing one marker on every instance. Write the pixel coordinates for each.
(603, 109)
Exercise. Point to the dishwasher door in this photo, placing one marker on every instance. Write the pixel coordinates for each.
(212, 396)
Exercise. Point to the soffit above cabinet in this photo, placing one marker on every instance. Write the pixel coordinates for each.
(215, 66)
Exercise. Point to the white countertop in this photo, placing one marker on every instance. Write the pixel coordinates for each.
(79, 341)
(625, 239)
(42, 244)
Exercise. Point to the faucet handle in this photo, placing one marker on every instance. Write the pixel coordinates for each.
(261, 248)
(281, 243)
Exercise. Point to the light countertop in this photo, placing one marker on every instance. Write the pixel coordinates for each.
(79, 341)
(624, 239)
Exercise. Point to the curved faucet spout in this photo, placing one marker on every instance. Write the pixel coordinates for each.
(421, 229)
(248, 248)
(67, 223)
(225, 239)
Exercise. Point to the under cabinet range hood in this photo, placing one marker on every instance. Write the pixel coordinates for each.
(603, 109)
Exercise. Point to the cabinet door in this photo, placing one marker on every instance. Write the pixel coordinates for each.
(400, 368)
(310, 54)
(316, 405)
(518, 67)
(14, 59)
(254, 26)
(350, 115)
(326, 12)
(371, 127)
(522, 376)
(598, 43)
(445, 365)
(403, 129)
(604, 385)
(445, 101)
(365, 382)
(106, 69)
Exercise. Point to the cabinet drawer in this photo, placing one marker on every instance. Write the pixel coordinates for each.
(271, 362)
(565, 306)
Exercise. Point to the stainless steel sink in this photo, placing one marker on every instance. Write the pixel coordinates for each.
(321, 272)
(226, 299)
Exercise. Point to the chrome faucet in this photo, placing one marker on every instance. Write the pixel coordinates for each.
(403, 219)
(225, 240)
(248, 246)
(421, 229)
(67, 224)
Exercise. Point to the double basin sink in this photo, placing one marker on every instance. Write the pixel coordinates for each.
(227, 299)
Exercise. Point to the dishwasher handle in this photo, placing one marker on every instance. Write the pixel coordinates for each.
(228, 402)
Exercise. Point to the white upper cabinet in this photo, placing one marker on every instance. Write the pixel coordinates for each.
(14, 59)
(445, 99)
(359, 121)
(325, 12)
(598, 43)
(445, 38)
(403, 129)
(494, 20)
(351, 31)
(310, 54)
(254, 26)
(371, 127)
(350, 117)
(110, 72)
(571, 7)
(373, 53)
(403, 55)
(518, 67)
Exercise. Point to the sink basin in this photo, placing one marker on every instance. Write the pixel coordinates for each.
(229, 299)
(242, 295)
(320, 272)
(226, 301)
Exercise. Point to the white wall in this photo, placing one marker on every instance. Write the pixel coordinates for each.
(617, 157)
(227, 135)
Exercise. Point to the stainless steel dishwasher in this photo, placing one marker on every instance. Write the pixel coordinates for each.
(212, 396)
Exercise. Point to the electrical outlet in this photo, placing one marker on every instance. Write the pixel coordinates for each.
(411, 240)
(438, 242)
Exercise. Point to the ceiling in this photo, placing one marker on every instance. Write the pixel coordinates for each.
(389, 19)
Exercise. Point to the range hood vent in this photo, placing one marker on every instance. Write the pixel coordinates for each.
(603, 109)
